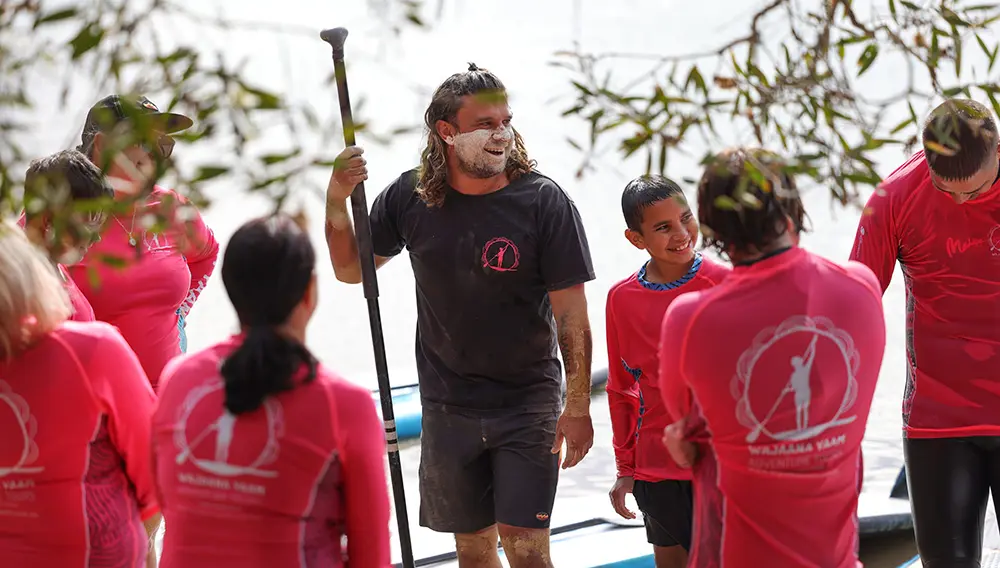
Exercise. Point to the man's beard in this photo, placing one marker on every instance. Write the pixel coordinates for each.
(474, 160)
(479, 168)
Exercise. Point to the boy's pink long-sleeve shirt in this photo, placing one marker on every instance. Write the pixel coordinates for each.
(75, 476)
(635, 310)
(140, 289)
(279, 486)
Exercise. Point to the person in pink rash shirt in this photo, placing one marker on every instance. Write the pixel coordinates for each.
(146, 281)
(65, 179)
(75, 408)
(774, 370)
(938, 216)
(264, 457)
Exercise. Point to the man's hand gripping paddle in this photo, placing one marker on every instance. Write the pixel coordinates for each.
(362, 229)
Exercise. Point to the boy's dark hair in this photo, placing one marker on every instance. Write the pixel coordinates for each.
(642, 192)
(61, 178)
(959, 138)
(744, 197)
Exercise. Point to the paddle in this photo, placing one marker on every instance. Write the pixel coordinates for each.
(362, 230)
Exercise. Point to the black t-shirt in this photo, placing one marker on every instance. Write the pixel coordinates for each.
(484, 264)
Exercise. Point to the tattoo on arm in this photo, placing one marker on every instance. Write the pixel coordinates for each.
(576, 345)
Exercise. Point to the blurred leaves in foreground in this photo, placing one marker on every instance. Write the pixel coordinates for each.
(127, 47)
(795, 83)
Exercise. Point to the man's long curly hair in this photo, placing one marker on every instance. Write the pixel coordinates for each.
(432, 181)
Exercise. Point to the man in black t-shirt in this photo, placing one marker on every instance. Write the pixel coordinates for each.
(500, 259)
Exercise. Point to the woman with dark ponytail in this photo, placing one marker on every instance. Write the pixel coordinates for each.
(263, 456)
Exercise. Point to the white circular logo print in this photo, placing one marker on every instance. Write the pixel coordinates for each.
(778, 391)
(18, 449)
(205, 438)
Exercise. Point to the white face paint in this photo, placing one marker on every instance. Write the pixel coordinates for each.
(71, 256)
(483, 153)
(122, 185)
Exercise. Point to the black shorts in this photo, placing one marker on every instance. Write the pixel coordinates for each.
(667, 510)
(475, 472)
(949, 482)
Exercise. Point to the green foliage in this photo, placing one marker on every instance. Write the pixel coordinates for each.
(124, 47)
(801, 97)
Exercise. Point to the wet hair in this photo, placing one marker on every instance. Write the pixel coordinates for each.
(33, 300)
(744, 198)
(448, 98)
(61, 178)
(266, 269)
(642, 192)
(959, 138)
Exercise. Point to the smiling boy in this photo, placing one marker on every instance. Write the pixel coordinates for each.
(660, 222)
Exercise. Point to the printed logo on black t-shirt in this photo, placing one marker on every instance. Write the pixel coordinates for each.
(501, 255)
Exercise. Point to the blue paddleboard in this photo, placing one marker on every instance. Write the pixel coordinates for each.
(617, 543)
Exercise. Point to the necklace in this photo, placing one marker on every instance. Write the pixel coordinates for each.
(131, 237)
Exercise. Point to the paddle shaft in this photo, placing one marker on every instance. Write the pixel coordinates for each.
(366, 254)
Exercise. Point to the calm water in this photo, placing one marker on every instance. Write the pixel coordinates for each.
(395, 77)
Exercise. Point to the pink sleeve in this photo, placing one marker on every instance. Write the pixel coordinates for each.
(122, 389)
(867, 277)
(623, 400)
(201, 251)
(876, 244)
(673, 342)
(366, 494)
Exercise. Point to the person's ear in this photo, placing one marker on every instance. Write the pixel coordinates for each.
(635, 237)
(446, 131)
(36, 228)
(792, 229)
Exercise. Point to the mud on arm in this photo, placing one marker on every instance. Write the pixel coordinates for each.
(569, 307)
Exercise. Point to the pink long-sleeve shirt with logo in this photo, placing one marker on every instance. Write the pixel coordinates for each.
(75, 476)
(140, 289)
(950, 258)
(779, 363)
(279, 486)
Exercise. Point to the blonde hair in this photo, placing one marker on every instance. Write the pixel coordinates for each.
(33, 300)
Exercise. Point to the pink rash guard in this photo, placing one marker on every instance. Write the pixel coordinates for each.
(635, 310)
(144, 289)
(82, 311)
(778, 363)
(950, 259)
(276, 487)
(75, 476)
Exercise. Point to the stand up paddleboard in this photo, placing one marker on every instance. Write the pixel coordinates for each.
(618, 543)
(406, 405)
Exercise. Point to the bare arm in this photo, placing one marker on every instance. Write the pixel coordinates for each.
(569, 306)
(349, 170)
(152, 524)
